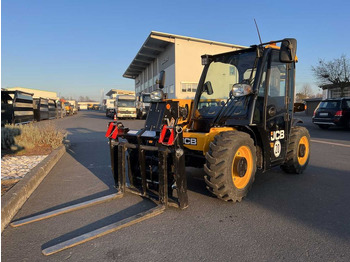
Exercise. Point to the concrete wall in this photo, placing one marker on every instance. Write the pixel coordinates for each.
(83, 106)
(311, 105)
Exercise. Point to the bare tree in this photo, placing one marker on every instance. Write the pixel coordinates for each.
(319, 95)
(335, 72)
(87, 99)
(305, 92)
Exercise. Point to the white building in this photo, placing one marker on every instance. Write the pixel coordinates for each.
(332, 91)
(180, 58)
(86, 105)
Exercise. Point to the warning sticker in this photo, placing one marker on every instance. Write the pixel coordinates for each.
(277, 148)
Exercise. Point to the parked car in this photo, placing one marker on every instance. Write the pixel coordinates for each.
(332, 112)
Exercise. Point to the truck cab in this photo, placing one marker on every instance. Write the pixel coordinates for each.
(110, 110)
(69, 108)
(73, 105)
(125, 106)
(142, 105)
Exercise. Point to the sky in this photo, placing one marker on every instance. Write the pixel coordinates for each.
(83, 47)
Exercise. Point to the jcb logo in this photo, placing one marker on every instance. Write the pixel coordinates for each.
(277, 135)
(190, 141)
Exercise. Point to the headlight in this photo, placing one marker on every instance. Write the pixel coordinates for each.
(157, 95)
(241, 89)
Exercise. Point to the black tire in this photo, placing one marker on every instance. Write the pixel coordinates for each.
(348, 125)
(222, 161)
(324, 126)
(297, 158)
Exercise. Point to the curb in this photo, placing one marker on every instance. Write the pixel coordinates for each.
(12, 201)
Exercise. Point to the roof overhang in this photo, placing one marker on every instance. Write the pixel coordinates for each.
(120, 92)
(328, 86)
(111, 92)
(332, 86)
(155, 44)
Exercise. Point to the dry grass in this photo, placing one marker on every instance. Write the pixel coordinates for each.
(31, 135)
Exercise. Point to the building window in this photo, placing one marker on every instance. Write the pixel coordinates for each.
(335, 92)
(188, 87)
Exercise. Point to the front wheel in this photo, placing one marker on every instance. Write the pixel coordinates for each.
(230, 165)
(298, 152)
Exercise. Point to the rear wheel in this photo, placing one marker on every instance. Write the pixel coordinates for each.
(230, 165)
(348, 124)
(298, 152)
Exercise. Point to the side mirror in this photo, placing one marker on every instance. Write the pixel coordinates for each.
(299, 107)
(161, 81)
(288, 50)
(183, 112)
(206, 59)
(208, 88)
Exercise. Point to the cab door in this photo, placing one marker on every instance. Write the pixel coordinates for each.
(278, 111)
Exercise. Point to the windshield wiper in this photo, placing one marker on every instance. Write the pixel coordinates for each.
(223, 109)
(231, 108)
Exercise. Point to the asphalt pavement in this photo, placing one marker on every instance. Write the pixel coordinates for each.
(284, 217)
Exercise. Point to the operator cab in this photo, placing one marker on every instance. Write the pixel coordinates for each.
(233, 86)
(226, 78)
(250, 89)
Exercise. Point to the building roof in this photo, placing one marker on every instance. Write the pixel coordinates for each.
(330, 86)
(36, 92)
(121, 92)
(155, 44)
(315, 99)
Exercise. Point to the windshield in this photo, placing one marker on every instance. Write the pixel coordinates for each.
(222, 74)
(146, 98)
(330, 104)
(126, 103)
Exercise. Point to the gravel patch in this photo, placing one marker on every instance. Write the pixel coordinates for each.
(16, 167)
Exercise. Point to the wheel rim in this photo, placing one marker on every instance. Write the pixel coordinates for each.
(303, 150)
(242, 166)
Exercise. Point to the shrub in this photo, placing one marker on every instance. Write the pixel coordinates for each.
(8, 137)
(34, 135)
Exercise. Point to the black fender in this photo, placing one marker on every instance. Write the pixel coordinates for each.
(296, 121)
(247, 129)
